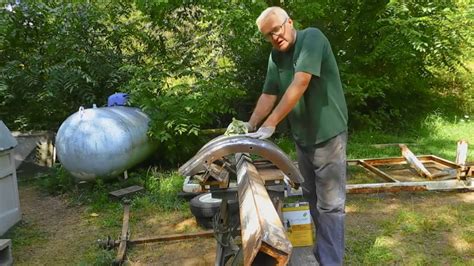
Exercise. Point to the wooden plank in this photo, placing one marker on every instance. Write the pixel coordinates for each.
(261, 228)
(213, 131)
(384, 145)
(126, 191)
(124, 236)
(271, 174)
(414, 162)
(377, 171)
(410, 186)
(442, 161)
(461, 152)
(379, 161)
(402, 160)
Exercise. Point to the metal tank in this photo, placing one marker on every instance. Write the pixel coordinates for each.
(103, 142)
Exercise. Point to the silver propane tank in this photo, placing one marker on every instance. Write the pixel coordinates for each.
(103, 142)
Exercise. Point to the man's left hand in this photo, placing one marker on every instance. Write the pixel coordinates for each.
(262, 133)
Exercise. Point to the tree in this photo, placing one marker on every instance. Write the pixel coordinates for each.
(55, 57)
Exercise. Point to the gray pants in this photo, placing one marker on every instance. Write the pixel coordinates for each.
(324, 169)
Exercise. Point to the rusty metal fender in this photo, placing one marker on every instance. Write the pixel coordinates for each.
(226, 145)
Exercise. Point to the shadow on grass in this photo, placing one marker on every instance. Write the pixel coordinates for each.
(424, 228)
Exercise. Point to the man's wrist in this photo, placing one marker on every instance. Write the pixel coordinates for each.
(252, 127)
(270, 121)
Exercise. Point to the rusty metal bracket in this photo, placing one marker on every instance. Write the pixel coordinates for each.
(124, 241)
(110, 243)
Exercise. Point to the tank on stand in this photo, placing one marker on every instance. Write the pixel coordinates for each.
(103, 142)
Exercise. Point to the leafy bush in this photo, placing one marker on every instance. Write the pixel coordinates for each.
(194, 65)
(198, 76)
(396, 57)
(55, 57)
(58, 182)
(163, 188)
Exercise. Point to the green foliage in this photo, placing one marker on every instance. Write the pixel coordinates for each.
(58, 182)
(436, 136)
(194, 65)
(378, 253)
(94, 192)
(287, 145)
(25, 234)
(396, 57)
(468, 236)
(100, 257)
(195, 79)
(55, 57)
(163, 188)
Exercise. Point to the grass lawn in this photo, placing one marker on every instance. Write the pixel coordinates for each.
(423, 228)
(61, 221)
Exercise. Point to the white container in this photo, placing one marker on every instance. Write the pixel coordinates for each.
(10, 212)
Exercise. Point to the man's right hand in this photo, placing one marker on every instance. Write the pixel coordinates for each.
(262, 133)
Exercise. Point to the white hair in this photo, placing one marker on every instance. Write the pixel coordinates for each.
(274, 10)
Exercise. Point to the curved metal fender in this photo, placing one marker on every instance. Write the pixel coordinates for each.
(226, 145)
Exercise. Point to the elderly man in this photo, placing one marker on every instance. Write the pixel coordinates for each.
(303, 85)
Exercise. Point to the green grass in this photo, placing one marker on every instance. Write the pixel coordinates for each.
(409, 229)
(435, 136)
(24, 234)
(382, 229)
(98, 257)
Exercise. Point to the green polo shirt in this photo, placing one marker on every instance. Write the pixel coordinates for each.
(321, 113)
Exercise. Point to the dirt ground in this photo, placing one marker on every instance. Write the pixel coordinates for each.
(59, 229)
(59, 234)
(65, 235)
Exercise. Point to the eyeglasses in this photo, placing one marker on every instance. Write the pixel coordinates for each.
(277, 31)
